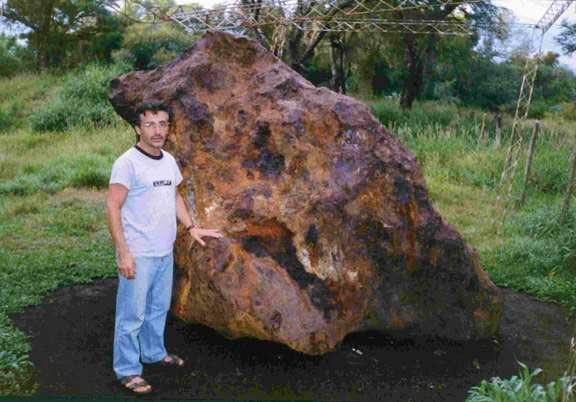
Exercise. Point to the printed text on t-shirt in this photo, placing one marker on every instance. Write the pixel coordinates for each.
(162, 183)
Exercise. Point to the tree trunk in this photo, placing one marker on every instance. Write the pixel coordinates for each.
(44, 35)
(338, 68)
(418, 63)
(294, 43)
(414, 67)
(301, 49)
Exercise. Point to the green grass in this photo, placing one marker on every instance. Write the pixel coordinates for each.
(538, 255)
(47, 242)
(50, 162)
(22, 94)
(52, 216)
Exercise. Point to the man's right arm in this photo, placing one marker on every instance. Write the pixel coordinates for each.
(117, 194)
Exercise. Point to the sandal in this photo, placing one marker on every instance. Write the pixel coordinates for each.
(133, 386)
(172, 361)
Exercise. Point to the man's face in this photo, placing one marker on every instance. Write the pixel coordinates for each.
(153, 128)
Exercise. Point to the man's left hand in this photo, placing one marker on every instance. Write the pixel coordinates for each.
(198, 233)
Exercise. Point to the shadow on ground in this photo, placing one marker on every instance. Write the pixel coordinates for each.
(71, 335)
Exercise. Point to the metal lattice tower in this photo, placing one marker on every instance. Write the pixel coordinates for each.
(556, 9)
(327, 16)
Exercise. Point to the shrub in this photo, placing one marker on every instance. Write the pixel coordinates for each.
(10, 63)
(521, 389)
(7, 119)
(562, 111)
(550, 169)
(538, 109)
(569, 111)
(82, 101)
(388, 113)
(93, 174)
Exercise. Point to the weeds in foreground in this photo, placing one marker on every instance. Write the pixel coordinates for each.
(570, 394)
(522, 389)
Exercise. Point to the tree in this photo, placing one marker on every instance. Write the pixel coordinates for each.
(147, 46)
(567, 37)
(550, 59)
(10, 64)
(96, 41)
(55, 27)
(420, 52)
(302, 41)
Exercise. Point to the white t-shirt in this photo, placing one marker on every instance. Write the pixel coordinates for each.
(149, 212)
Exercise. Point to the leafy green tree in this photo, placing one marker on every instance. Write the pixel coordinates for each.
(150, 41)
(466, 72)
(97, 40)
(420, 52)
(10, 63)
(58, 29)
(490, 85)
(416, 52)
(555, 84)
(567, 37)
(147, 46)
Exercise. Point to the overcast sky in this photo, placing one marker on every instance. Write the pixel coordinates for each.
(530, 12)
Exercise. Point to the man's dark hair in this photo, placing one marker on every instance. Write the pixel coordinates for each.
(153, 107)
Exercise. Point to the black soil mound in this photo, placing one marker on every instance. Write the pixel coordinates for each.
(71, 334)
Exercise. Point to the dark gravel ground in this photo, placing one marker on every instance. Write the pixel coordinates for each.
(71, 334)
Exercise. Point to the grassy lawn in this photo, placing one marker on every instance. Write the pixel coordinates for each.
(53, 228)
(47, 242)
(52, 225)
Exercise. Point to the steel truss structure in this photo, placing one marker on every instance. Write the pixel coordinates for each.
(328, 16)
(552, 14)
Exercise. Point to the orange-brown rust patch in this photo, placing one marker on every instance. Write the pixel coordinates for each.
(481, 315)
(434, 255)
(268, 228)
(395, 319)
(296, 166)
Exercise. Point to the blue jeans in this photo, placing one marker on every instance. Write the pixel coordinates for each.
(142, 304)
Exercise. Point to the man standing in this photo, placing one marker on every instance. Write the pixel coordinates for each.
(143, 205)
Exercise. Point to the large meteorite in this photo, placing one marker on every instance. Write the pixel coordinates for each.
(328, 225)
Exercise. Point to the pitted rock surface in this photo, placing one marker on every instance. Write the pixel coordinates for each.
(327, 222)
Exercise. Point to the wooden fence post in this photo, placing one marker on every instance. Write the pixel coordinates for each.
(529, 160)
(569, 189)
(498, 131)
(483, 130)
